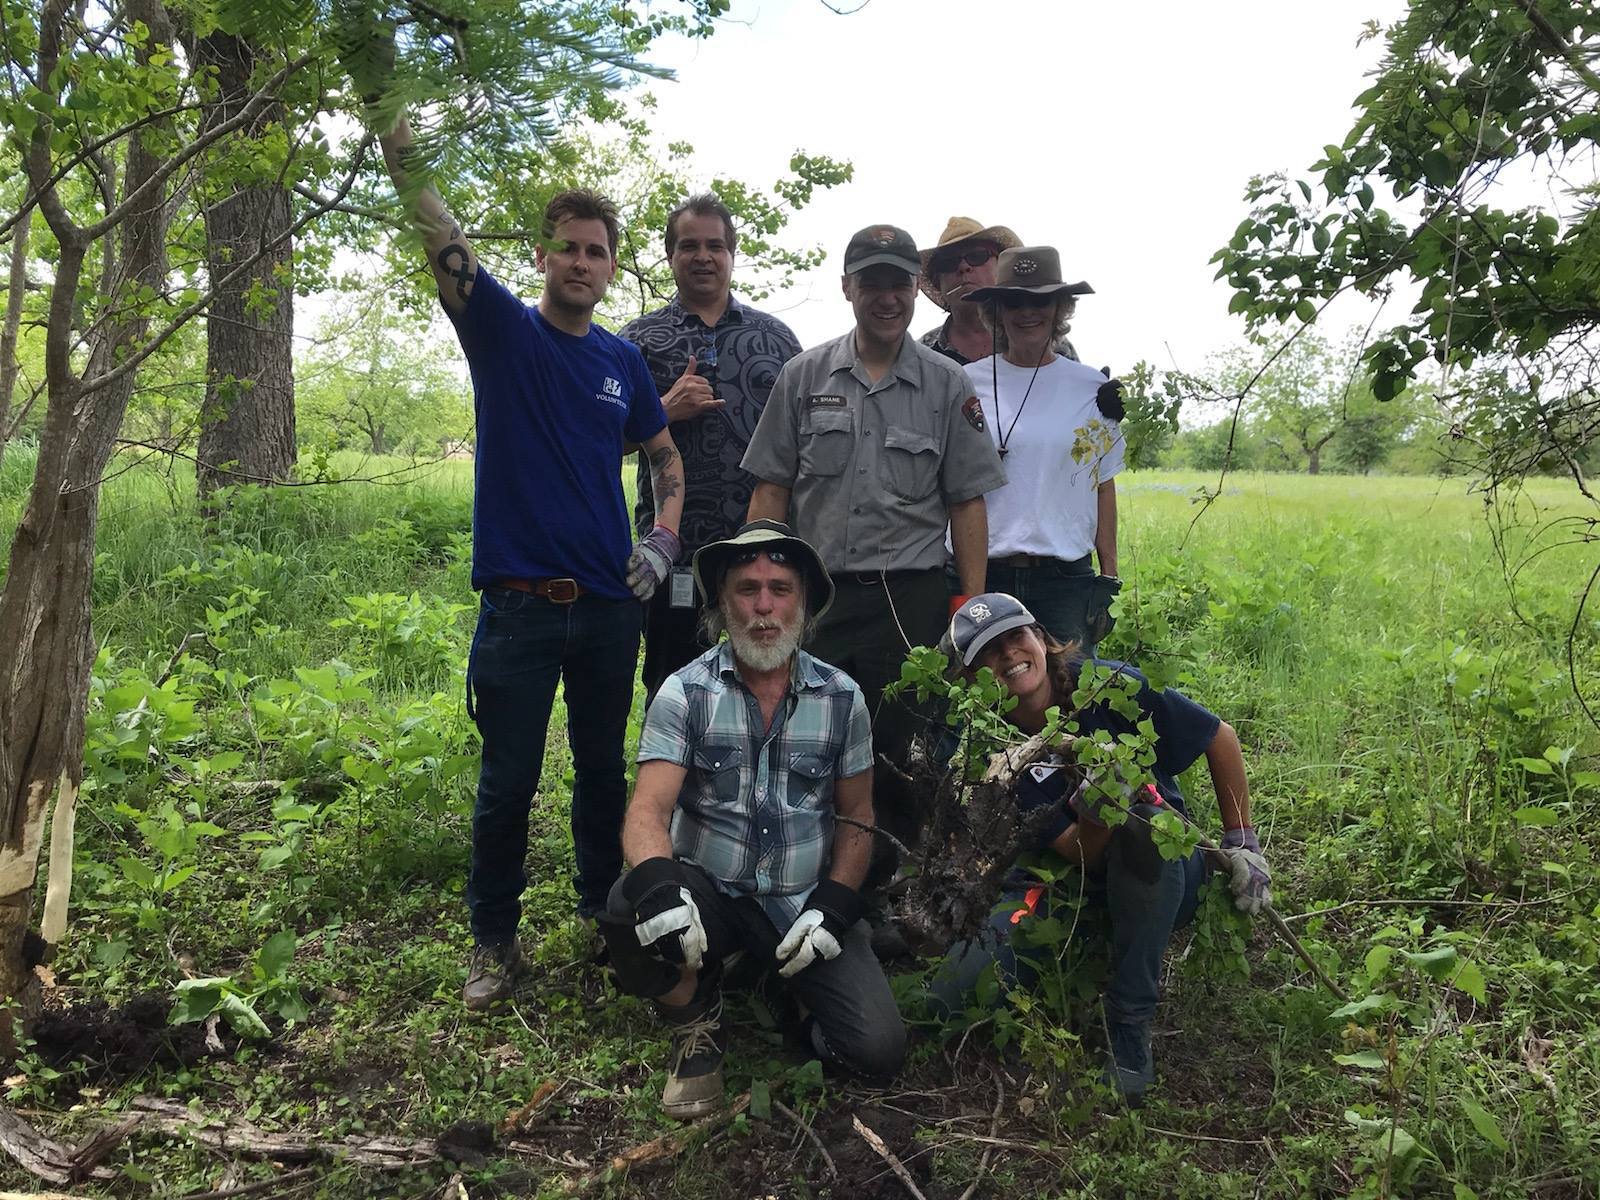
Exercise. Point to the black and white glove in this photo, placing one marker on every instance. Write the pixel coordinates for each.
(1108, 397)
(831, 910)
(666, 917)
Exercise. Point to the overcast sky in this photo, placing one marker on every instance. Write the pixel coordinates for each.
(1123, 135)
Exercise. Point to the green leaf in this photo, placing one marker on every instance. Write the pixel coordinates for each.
(1536, 814)
(244, 1021)
(196, 999)
(1483, 1121)
(276, 954)
(137, 872)
(1378, 960)
(760, 1100)
(1439, 964)
(1369, 1060)
(1373, 1003)
(173, 880)
(1469, 979)
(1306, 311)
(1534, 766)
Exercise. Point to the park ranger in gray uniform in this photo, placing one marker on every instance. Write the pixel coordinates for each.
(870, 446)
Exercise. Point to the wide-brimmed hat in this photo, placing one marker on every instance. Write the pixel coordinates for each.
(957, 231)
(982, 619)
(1029, 271)
(779, 543)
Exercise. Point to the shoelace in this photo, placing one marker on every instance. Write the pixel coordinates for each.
(699, 1036)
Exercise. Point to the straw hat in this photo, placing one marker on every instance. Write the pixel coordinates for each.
(958, 231)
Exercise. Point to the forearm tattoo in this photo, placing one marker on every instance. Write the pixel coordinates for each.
(456, 261)
(665, 481)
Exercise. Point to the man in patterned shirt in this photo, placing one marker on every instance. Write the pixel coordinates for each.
(714, 361)
(747, 755)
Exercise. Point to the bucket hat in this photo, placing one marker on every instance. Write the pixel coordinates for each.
(1029, 271)
(779, 543)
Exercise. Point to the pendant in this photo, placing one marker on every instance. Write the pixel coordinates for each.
(1002, 454)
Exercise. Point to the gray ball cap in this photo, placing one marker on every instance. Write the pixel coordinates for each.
(778, 542)
(982, 619)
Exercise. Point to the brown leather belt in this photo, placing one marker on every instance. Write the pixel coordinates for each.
(557, 591)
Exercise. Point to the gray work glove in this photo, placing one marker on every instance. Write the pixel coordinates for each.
(1251, 879)
(651, 561)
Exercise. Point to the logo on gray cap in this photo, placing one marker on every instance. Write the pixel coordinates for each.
(979, 613)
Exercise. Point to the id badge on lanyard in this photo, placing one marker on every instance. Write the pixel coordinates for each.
(680, 584)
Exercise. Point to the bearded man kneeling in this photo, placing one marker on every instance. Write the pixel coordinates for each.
(746, 756)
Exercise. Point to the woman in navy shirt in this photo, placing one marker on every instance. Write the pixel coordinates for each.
(1147, 896)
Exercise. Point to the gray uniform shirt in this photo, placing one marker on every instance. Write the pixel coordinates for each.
(872, 469)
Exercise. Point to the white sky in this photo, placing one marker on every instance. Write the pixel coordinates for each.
(1122, 134)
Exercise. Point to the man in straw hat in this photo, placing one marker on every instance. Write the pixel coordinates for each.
(965, 259)
(747, 754)
(872, 446)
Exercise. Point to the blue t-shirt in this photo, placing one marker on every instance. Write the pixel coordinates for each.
(1183, 731)
(553, 413)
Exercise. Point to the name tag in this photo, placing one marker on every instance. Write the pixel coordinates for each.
(681, 585)
(826, 402)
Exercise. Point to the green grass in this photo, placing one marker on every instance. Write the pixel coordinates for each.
(1396, 698)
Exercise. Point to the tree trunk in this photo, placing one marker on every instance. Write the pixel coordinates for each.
(1314, 460)
(247, 422)
(15, 291)
(44, 606)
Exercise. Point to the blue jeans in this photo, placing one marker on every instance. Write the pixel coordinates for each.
(1144, 913)
(1068, 598)
(523, 645)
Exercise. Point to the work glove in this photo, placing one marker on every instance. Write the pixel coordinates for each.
(830, 911)
(666, 917)
(1109, 397)
(651, 560)
(1251, 880)
(1094, 799)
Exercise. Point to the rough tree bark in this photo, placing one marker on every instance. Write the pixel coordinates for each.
(247, 424)
(44, 607)
(16, 289)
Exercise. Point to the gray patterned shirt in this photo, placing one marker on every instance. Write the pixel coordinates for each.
(750, 348)
(756, 809)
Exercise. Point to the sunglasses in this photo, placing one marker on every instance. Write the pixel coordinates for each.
(1026, 301)
(745, 558)
(973, 258)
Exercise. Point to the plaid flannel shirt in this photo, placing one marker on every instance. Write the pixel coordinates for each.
(756, 810)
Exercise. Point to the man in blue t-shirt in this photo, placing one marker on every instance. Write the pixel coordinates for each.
(557, 398)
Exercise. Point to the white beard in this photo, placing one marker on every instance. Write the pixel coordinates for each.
(765, 656)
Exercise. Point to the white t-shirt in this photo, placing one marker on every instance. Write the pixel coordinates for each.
(1059, 450)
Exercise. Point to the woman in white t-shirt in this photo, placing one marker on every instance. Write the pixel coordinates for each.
(1057, 514)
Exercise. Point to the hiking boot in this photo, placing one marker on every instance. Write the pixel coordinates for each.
(1130, 1070)
(492, 974)
(699, 1040)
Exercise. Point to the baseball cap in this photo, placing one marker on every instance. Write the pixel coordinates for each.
(888, 245)
(982, 619)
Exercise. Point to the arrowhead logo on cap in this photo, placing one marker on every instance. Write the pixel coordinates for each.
(883, 234)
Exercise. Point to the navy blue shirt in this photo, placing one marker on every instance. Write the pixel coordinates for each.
(553, 412)
(1183, 731)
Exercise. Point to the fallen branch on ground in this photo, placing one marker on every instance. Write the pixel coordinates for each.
(805, 1128)
(988, 1150)
(883, 1152)
(668, 1145)
(43, 1156)
(241, 1137)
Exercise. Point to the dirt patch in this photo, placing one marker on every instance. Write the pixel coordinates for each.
(110, 1045)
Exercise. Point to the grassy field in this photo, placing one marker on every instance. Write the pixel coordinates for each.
(274, 831)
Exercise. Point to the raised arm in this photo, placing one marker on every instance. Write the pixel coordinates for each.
(450, 255)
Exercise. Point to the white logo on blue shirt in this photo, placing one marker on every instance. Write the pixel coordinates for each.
(613, 387)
